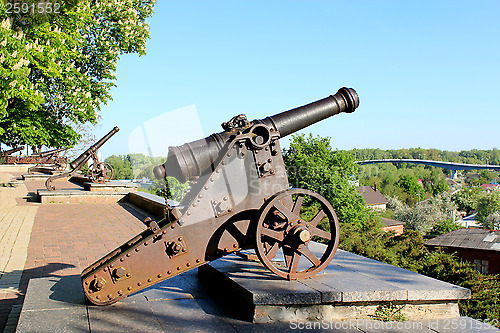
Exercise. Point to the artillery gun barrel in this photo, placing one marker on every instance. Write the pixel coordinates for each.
(288, 122)
(11, 151)
(88, 153)
(50, 152)
(195, 158)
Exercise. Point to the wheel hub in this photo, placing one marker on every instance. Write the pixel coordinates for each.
(301, 234)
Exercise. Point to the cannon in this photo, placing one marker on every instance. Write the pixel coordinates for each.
(49, 161)
(98, 172)
(6, 153)
(239, 199)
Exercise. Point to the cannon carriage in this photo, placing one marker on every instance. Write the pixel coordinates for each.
(98, 172)
(49, 161)
(239, 199)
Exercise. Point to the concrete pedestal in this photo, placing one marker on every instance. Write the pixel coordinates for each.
(350, 287)
(113, 191)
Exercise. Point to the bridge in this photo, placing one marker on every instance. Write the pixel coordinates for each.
(440, 164)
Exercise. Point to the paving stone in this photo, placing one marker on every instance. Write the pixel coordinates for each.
(177, 287)
(132, 315)
(55, 293)
(54, 320)
(189, 315)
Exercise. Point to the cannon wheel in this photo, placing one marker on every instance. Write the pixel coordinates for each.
(286, 225)
(101, 173)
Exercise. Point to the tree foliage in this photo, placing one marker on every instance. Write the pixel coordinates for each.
(57, 73)
(424, 217)
(312, 164)
(444, 226)
(488, 203)
(466, 199)
(492, 221)
(121, 166)
(138, 166)
(410, 185)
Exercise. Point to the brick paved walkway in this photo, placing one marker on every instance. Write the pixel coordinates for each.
(52, 239)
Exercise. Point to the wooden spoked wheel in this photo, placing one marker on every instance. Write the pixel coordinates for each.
(287, 224)
(101, 172)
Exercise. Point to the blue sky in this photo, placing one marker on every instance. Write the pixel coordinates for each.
(427, 72)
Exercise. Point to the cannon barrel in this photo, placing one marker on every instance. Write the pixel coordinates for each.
(88, 153)
(11, 151)
(50, 152)
(194, 158)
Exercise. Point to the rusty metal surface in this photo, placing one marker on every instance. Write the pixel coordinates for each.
(284, 230)
(98, 172)
(49, 161)
(239, 199)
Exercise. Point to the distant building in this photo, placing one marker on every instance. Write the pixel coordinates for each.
(478, 246)
(396, 226)
(490, 187)
(373, 198)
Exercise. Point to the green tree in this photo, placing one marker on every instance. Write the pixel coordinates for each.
(312, 164)
(410, 185)
(121, 166)
(444, 226)
(486, 176)
(467, 199)
(57, 73)
(425, 216)
(489, 203)
(492, 221)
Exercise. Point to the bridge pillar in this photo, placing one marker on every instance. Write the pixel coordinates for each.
(454, 174)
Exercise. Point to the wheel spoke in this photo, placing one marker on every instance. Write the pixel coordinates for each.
(298, 205)
(288, 254)
(273, 234)
(318, 217)
(294, 264)
(315, 231)
(285, 211)
(272, 251)
(309, 255)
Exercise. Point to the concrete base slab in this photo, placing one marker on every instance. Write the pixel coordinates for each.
(80, 196)
(111, 186)
(40, 176)
(54, 305)
(350, 287)
(181, 304)
(15, 167)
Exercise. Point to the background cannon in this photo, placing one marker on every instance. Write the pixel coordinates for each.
(98, 172)
(5, 156)
(239, 199)
(49, 161)
(11, 151)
